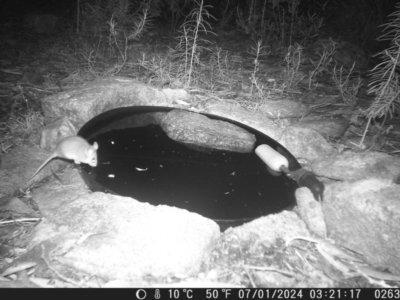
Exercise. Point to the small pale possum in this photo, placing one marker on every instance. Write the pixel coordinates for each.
(73, 148)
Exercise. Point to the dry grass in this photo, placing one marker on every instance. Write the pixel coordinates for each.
(109, 47)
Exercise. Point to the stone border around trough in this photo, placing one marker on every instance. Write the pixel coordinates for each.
(364, 189)
(360, 210)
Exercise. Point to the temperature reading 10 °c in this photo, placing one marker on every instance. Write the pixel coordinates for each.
(175, 294)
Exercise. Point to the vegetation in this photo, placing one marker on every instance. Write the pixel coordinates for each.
(108, 33)
(386, 82)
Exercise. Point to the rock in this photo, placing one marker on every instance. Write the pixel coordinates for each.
(284, 109)
(311, 211)
(352, 166)
(55, 132)
(102, 95)
(325, 127)
(306, 144)
(195, 129)
(118, 237)
(364, 216)
(272, 228)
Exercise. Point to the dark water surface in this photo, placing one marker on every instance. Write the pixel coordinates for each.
(145, 164)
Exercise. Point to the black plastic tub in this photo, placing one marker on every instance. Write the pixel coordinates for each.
(142, 162)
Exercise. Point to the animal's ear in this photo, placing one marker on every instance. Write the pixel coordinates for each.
(95, 146)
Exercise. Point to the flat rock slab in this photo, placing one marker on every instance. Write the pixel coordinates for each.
(195, 129)
(118, 237)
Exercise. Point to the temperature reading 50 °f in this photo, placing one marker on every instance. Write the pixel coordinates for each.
(175, 294)
(214, 293)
